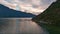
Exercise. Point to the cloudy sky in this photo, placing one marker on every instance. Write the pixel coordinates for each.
(29, 6)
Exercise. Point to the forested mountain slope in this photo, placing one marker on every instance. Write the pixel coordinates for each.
(50, 15)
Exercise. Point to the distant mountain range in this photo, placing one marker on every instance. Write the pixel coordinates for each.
(5, 12)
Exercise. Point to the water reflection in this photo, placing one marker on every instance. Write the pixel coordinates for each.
(20, 26)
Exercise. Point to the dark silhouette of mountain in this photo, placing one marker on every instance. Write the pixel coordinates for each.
(5, 12)
(51, 14)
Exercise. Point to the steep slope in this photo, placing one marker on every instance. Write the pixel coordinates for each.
(50, 15)
(6, 12)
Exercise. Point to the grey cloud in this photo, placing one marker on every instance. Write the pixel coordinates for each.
(45, 3)
(9, 1)
(25, 1)
(35, 6)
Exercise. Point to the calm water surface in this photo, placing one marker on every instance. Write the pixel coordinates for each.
(20, 26)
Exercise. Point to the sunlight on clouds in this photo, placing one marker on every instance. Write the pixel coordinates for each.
(29, 9)
(29, 6)
(12, 6)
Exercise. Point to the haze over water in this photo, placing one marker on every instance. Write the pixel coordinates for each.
(20, 26)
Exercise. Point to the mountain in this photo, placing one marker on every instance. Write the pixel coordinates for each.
(51, 15)
(5, 12)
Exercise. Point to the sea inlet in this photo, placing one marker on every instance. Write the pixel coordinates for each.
(20, 26)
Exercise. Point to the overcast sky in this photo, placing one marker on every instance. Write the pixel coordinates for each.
(29, 6)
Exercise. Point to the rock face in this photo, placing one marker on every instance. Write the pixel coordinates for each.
(51, 14)
(5, 12)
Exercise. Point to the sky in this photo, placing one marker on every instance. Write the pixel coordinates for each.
(29, 6)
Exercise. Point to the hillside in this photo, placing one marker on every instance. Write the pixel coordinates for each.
(51, 15)
(5, 12)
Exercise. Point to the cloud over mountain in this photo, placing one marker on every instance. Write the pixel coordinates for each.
(29, 6)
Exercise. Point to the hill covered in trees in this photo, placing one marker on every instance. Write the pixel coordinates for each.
(51, 15)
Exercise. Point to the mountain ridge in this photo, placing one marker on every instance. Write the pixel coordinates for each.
(5, 12)
(50, 15)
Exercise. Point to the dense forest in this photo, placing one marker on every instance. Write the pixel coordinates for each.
(51, 15)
